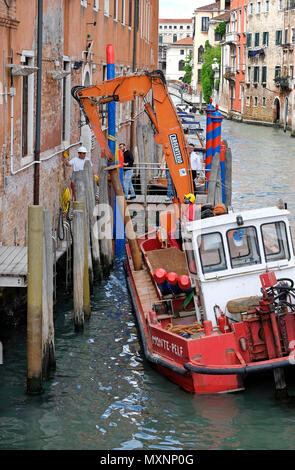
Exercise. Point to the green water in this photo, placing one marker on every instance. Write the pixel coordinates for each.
(104, 395)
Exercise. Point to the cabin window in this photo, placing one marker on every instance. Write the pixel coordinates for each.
(275, 242)
(243, 247)
(190, 256)
(211, 252)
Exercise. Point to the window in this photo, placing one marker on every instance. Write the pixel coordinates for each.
(293, 35)
(122, 16)
(130, 13)
(84, 3)
(291, 72)
(250, 9)
(174, 27)
(217, 36)
(256, 42)
(174, 37)
(277, 71)
(275, 242)
(212, 252)
(28, 108)
(170, 27)
(115, 15)
(248, 74)
(190, 256)
(160, 39)
(264, 101)
(243, 247)
(181, 27)
(199, 75)
(258, 7)
(278, 37)
(256, 74)
(286, 36)
(280, 4)
(106, 7)
(247, 100)
(66, 102)
(265, 37)
(200, 53)
(255, 101)
(249, 39)
(266, 9)
(264, 73)
(181, 51)
(188, 27)
(205, 24)
(95, 5)
(181, 65)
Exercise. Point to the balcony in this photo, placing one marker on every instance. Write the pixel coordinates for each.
(229, 73)
(231, 38)
(285, 83)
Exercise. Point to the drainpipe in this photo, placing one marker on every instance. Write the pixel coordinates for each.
(132, 136)
(38, 105)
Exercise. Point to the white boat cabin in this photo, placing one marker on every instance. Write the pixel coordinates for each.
(227, 253)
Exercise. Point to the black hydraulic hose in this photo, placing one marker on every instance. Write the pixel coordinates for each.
(236, 370)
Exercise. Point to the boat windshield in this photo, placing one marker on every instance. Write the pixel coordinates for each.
(243, 247)
(212, 252)
(275, 242)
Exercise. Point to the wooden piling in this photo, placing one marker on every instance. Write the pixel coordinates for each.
(228, 177)
(105, 242)
(34, 300)
(78, 268)
(215, 165)
(48, 348)
(90, 197)
(80, 205)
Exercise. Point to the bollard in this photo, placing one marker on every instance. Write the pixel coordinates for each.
(78, 267)
(209, 138)
(34, 302)
(217, 119)
(80, 205)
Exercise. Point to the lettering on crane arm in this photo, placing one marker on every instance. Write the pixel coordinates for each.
(175, 149)
(167, 346)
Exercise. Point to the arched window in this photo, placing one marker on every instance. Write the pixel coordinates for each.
(181, 65)
(200, 53)
(174, 37)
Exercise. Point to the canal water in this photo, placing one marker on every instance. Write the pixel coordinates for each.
(104, 395)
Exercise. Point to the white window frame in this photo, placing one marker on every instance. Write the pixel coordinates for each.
(31, 111)
(106, 8)
(117, 13)
(95, 5)
(84, 3)
(266, 6)
(123, 20)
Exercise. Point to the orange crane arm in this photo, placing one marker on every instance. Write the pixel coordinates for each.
(162, 113)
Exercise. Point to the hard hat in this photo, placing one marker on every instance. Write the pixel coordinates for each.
(82, 149)
(189, 198)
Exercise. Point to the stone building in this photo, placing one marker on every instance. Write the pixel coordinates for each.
(202, 16)
(75, 36)
(177, 53)
(171, 31)
(288, 63)
(266, 98)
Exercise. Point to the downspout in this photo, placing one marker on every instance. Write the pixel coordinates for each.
(132, 136)
(38, 105)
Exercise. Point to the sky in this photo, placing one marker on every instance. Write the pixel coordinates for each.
(180, 8)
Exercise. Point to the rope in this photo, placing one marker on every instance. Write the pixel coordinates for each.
(184, 329)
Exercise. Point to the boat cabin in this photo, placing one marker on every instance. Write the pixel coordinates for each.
(227, 253)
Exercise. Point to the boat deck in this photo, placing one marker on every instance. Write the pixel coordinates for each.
(146, 289)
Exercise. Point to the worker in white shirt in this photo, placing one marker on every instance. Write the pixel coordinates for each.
(196, 162)
(77, 163)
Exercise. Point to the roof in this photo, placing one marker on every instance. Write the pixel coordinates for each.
(181, 20)
(184, 41)
(224, 17)
(211, 6)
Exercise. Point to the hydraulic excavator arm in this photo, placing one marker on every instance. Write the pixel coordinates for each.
(162, 113)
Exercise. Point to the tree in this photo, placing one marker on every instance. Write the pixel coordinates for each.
(207, 74)
(187, 78)
(221, 28)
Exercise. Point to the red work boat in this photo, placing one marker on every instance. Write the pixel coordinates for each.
(222, 307)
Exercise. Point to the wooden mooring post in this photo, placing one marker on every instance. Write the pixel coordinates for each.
(80, 205)
(34, 302)
(78, 268)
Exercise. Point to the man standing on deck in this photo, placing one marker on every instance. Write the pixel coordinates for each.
(196, 163)
(128, 172)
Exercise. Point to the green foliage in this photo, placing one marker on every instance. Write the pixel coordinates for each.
(216, 86)
(221, 29)
(207, 75)
(187, 78)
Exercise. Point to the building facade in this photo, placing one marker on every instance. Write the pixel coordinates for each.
(177, 53)
(75, 36)
(171, 31)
